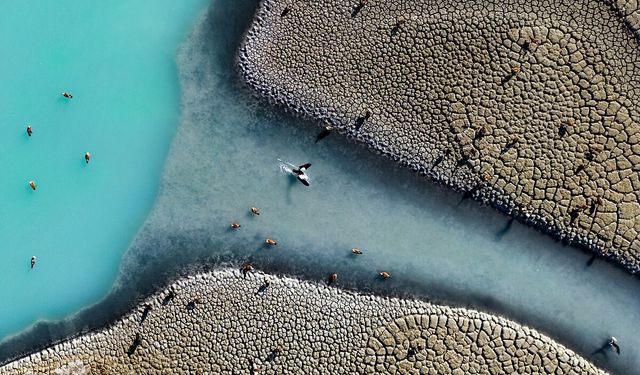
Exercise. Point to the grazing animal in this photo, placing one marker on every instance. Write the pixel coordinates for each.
(170, 296)
(145, 313)
(246, 268)
(264, 286)
(360, 120)
(358, 7)
(613, 343)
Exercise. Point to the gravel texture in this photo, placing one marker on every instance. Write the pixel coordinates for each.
(531, 106)
(225, 323)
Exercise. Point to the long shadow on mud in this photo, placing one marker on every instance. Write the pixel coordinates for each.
(157, 255)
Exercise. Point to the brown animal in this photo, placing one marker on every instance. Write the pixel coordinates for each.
(246, 268)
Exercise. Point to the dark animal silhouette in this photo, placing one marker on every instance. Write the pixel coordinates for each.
(360, 120)
(573, 215)
(301, 175)
(263, 287)
(358, 8)
(613, 343)
(134, 345)
(170, 296)
(438, 160)
(563, 130)
(145, 313)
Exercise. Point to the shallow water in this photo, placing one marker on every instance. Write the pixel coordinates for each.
(224, 160)
(82, 217)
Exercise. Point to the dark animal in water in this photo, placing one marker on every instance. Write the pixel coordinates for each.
(332, 278)
(613, 343)
(301, 174)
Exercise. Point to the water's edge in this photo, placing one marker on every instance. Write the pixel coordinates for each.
(471, 186)
(361, 320)
(124, 294)
(136, 283)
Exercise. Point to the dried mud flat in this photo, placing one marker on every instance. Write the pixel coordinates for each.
(531, 106)
(223, 323)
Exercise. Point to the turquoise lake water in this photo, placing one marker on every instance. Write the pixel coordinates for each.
(223, 160)
(118, 60)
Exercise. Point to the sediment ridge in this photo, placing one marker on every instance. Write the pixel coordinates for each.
(530, 106)
(225, 323)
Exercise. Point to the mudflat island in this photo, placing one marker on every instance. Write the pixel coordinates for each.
(221, 215)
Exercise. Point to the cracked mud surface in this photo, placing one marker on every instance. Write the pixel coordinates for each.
(531, 106)
(222, 322)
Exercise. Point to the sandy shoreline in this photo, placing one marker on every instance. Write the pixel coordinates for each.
(534, 115)
(222, 322)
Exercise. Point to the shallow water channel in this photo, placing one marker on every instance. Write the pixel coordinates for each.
(224, 160)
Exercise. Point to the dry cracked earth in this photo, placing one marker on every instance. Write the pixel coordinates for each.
(531, 106)
(224, 323)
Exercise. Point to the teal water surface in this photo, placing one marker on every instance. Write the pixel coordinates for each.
(118, 60)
